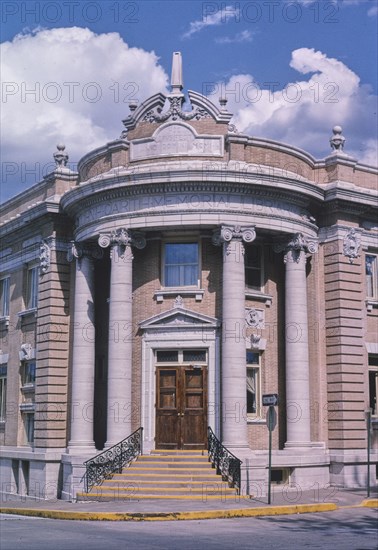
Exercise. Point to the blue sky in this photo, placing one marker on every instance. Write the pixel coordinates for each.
(290, 70)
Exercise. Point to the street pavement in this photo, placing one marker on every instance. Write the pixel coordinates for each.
(283, 501)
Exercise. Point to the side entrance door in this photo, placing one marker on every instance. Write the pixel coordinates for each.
(181, 403)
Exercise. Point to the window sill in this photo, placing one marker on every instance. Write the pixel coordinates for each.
(27, 407)
(26, 312)
(4, 320)
(28, 388)
(370, 303)
(179, 291)
(256, 420)
(260, 296)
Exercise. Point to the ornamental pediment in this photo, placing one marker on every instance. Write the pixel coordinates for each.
(176, 139)
(179, 317)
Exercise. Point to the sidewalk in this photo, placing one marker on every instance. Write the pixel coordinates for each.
(283, 501)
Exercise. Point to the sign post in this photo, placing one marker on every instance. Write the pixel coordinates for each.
(270, 400)
(368, 427)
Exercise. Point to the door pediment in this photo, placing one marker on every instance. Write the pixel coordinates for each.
(179, 318)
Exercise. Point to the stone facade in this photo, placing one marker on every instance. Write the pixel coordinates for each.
(280, 297)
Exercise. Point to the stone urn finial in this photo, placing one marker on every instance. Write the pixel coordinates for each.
(337, 140)
(60, 157)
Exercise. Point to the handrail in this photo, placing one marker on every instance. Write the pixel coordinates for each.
(226, 464)
(112, 460)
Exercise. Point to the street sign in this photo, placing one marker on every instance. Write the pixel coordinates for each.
(271, 418)
(270, 399)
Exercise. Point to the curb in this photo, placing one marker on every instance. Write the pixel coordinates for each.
(370, 503)
(169, 516)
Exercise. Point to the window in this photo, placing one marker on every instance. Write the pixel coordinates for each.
(371, 276)
(29, 427)
(373, 384)
(253, 269)
(3, 392)
(28, 373)
(181, 267)
(4, 297)
(32, 288)
(253, 384)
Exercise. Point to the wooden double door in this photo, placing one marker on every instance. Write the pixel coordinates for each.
(181, 407)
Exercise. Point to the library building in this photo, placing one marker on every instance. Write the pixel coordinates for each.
(182, 282)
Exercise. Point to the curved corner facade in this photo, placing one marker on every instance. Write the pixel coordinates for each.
(185, 271)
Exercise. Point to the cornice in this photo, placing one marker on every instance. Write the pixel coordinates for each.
(21, 220)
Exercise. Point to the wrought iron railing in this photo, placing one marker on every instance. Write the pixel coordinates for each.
(226, 464)
(112, 460)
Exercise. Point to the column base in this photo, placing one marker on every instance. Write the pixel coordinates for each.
(304, 445)
(76, 449)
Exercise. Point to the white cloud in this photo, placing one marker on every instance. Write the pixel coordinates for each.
(373, 12)
(210, 18)
(303, 112)
(82, 84)
(244, 36)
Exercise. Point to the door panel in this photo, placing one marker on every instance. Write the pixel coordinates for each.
(181, 415)
(193, 421)
(167, 414)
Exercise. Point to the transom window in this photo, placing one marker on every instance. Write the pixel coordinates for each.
(181, 265)
(253, 267)
(253, 384)
(186, 356)
(4, 297)
(371, 261)
(32, 288)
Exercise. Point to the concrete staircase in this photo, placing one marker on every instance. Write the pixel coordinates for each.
(164, 474)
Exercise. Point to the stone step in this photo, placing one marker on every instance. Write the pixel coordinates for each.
(114, 495)
(156, 476)
(174, 458)
(178, 452)
(206, 489)
(164, 474)
(176, 465)
(168, 484)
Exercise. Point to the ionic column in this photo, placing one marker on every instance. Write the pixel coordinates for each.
(83, 354)
(296, 342)
(119, 408)
(234, 393)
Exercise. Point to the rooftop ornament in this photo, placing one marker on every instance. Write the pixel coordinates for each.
(337, 141)
(60, 157)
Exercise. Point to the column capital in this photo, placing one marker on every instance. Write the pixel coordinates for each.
(227, 233)
(123, 238)
(77, 250)
(296, 247)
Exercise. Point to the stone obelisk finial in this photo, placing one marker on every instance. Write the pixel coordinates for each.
(176, 77)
